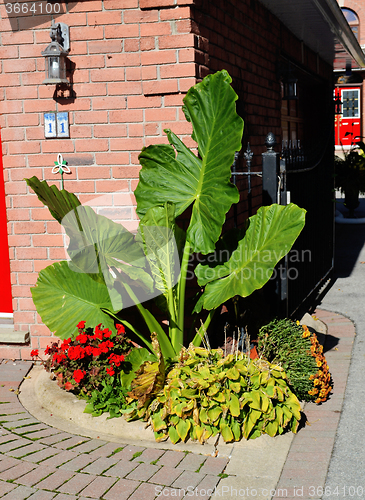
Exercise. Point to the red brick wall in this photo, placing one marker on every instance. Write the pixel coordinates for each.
(132, 69)
(244, 38)
(134, 61)
(249, 42)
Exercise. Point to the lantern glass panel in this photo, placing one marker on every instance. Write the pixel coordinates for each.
(290, 89)
(54, 67)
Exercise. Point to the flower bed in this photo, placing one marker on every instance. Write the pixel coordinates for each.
(191, 392)
(90, 366)
(202, 392)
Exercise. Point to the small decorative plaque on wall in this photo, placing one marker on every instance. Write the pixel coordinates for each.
(56, 125)
(50, 125)
(62, 125)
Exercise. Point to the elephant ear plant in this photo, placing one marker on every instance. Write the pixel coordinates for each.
(111, 269)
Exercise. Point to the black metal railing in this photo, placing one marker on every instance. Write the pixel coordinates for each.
(306, 179)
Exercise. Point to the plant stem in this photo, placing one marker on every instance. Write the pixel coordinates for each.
(131, 327)
(200, 334)
(177, 338)
(153, 326)
(173, 327)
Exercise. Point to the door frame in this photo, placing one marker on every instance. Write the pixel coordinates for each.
(6, 306)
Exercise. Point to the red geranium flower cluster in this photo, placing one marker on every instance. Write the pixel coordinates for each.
(81, 364)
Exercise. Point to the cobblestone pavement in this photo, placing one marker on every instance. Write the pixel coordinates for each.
(40, 462)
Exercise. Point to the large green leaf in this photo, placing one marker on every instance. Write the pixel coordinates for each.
(60, 203)
(203, 181)
(268, 238)
(156, 230)
(63, 298)
(110, 254)
(100, 237)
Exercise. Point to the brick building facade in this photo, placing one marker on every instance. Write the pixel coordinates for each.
(131, 63)
(349, 82)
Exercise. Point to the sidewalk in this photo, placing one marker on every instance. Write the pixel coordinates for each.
(345, 477)
(38, 461)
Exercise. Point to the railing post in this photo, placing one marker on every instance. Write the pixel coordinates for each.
(271, 193)
(270, 171)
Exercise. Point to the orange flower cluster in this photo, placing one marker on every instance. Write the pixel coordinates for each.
(322, 379)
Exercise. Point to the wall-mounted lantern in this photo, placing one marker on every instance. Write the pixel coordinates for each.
(56, 54)
(290, 90)
(286, 74)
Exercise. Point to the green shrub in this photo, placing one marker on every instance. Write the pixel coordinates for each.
(298, 351)
(206, 393)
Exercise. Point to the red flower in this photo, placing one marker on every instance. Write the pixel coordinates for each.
(76, 352)
(105, 346)
(68, 386)
(89, 350)
(78, 375)
(120, 329)
(81, 325)
(34, 353)
(116, 359)
(98, 333)
(82, 338)
(58, 358)
(65, 344)
(110, 371)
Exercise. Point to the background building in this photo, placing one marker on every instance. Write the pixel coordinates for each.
(349, 77)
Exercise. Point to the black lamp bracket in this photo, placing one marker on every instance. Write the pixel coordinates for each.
(60, 33)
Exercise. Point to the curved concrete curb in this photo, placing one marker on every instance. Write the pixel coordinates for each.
(340, 219)
(342, 212)
(46, 401)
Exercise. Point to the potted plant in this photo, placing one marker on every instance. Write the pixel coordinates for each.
(350, 175)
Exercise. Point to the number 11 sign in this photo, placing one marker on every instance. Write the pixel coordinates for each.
(62, 125)
(56, 125)
(50, 125)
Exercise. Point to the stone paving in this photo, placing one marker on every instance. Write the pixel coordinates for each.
(39, 462)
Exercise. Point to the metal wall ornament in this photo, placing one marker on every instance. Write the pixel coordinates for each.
(56, 53)
(61, 168)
